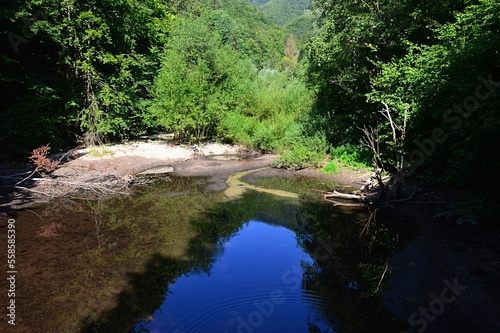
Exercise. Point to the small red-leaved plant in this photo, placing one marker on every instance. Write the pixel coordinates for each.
(41, 161)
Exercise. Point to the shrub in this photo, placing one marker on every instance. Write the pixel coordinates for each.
(331, 168)
(40, 159)
(352, 156)
(305, 152)
(298, 158)
(264, 137)
(236, 127)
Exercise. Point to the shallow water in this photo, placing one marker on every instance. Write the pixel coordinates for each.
(176, 258)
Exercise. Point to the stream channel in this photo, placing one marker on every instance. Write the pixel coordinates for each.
(174, 257)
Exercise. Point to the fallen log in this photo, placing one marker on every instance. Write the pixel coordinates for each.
(338, 195)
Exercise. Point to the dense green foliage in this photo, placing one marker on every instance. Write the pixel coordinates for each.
(352, 156)
(294, 15)
(353, 38)
(331, 168)
(451, 91)
(302, 28)
(106, 71)
(77, 64)
(282, 11)
(438, 63)
(256, 36)
(261, 73)
(199, 79)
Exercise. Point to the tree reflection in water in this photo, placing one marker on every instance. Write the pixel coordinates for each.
(124, 253)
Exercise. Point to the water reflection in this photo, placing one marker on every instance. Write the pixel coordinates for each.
(116, 265)
(351, 250)
(248, 288)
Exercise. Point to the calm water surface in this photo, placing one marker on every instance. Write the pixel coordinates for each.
(254, 285)
(176, 258)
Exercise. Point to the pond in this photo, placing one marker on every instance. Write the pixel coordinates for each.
(174, 257)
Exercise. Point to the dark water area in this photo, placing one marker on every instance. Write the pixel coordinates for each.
(174, 257)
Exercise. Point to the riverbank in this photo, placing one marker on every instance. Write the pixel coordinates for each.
(113, 169)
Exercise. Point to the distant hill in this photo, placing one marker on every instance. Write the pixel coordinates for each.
(301, 28)
(257, 35)
(282, 11)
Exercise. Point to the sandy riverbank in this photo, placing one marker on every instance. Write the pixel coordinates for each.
(111, 169)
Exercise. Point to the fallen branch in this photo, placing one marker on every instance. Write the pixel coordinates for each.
(338, 195)
(107, 184)
(16, 175)
(29, 210)
(27, 177)
(345, 204)
(34, 191)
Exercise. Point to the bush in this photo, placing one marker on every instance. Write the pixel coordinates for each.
(305, 151)
(299, 157)
(263, 137)
(235, 127)
(271, 119)
(331, 168)
(352, 156)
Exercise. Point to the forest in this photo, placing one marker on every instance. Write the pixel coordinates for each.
(411, 87)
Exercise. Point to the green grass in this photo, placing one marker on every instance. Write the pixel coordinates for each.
(95, 152)
(331, 168)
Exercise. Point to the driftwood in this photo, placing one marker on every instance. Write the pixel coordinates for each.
(344, 204)
(364, 198)
(374, 181)
(26, 189)
(338, 195)
(61, 186)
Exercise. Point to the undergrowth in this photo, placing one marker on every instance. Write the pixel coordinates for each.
(331, 168)
(352, 156)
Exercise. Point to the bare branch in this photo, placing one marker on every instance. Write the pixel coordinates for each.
(382, 278)
(369, 222)
(34, 191)
(387, 114)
